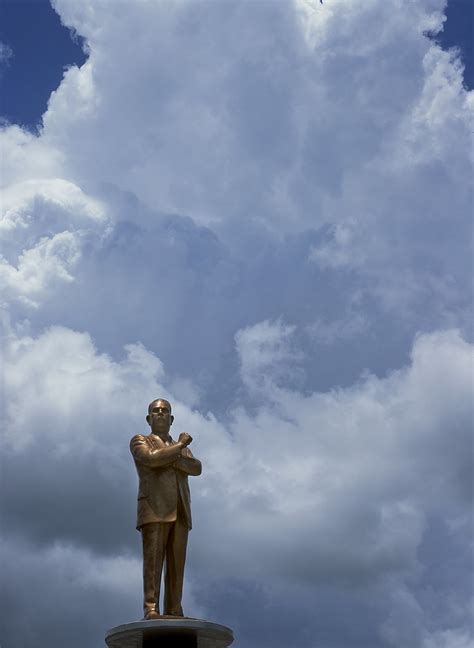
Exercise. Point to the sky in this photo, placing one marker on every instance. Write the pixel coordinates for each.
(262, 212)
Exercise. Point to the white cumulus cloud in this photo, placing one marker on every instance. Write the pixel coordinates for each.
(263, 212)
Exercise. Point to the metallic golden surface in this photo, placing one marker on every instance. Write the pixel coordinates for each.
(164, 507)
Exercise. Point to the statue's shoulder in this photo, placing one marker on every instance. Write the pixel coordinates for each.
(138, 439)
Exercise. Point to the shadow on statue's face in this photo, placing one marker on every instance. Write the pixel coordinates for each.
(159, 417)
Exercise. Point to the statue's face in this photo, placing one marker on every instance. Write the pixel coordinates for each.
(159, 417)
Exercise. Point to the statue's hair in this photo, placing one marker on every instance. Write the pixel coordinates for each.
(159, 400)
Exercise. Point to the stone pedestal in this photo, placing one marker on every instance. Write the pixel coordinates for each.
(171, 632)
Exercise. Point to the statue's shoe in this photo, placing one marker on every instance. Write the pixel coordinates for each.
(175, 612)
(151, 614)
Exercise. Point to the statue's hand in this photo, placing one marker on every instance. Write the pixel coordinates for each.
(185, 439)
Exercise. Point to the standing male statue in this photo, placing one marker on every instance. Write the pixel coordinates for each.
(164, 507)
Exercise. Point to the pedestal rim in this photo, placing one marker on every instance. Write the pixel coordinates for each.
(169, 623)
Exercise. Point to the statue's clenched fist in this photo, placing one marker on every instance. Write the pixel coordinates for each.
(185, 439)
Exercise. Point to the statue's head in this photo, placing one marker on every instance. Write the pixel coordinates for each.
(159, 416)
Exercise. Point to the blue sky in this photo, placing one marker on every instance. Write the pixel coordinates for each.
(40, 48)
(264, 215)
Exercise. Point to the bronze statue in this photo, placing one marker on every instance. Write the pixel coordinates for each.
(164, 508)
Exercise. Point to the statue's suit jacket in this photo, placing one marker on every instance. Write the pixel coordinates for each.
(162, 489)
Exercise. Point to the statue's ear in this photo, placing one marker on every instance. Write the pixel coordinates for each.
(171, 420)
(148, 419)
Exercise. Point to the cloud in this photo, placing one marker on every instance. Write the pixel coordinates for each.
(50, 222)
(270, 127)
(418, 151)
(46, 262)
(343, 329)
(265, 143)
(27, 157)
(448, 639)
(264, 215)
(264, 352)
(100, 590)
(6, 54)
(261, 148)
